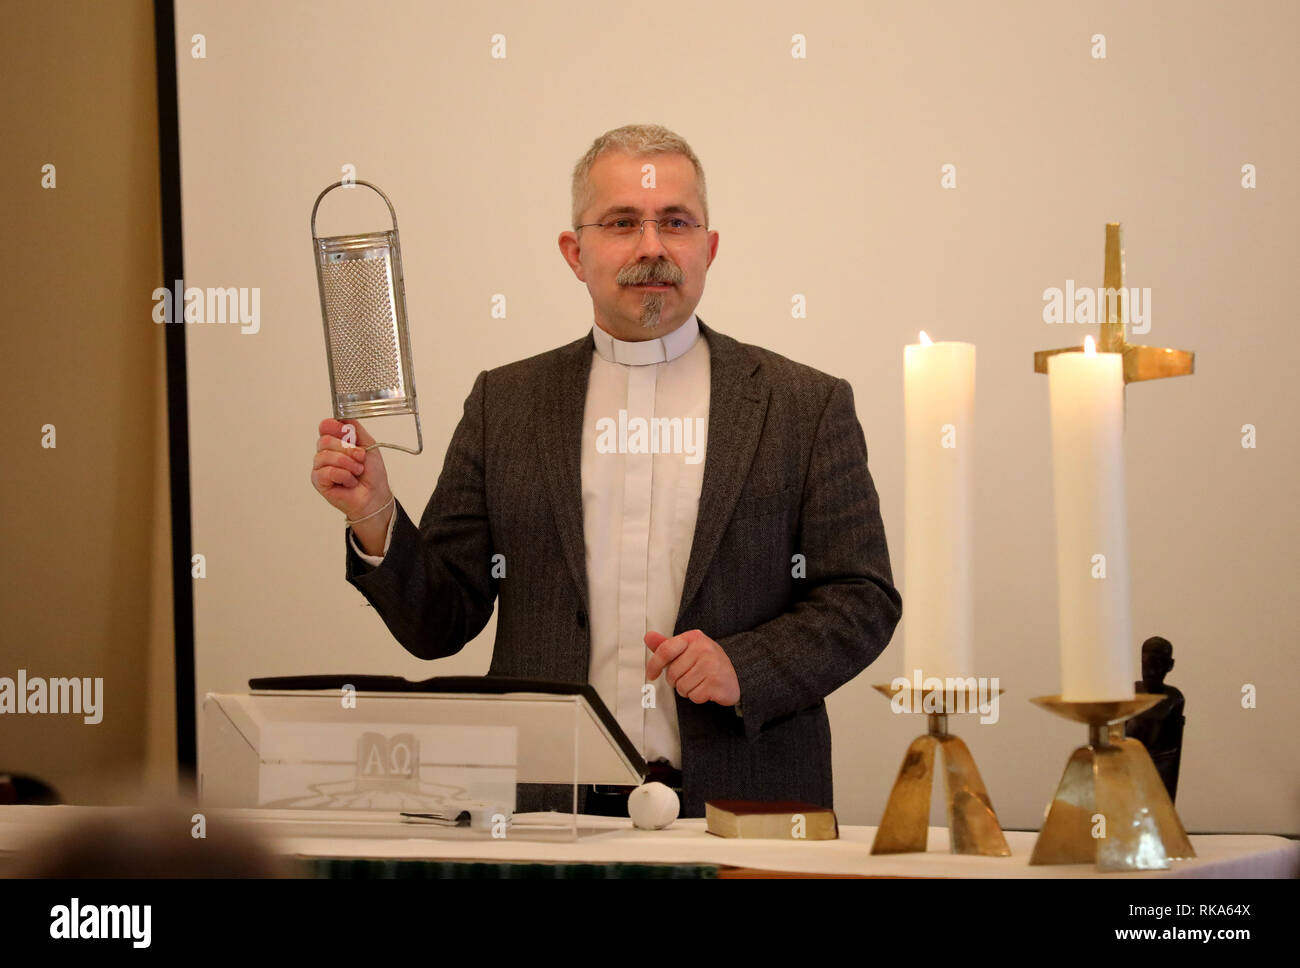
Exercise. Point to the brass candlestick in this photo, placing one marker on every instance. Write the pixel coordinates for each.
(972, 825)
(1113, 778)
(1111, 782)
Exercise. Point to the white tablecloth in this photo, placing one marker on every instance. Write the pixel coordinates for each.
(602, 840)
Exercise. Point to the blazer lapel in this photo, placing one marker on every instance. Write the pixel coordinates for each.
(557, 431)
(738, 397)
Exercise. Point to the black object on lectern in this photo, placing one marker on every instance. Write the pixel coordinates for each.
(492, 685)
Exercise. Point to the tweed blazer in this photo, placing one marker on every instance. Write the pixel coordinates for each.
(788, 571)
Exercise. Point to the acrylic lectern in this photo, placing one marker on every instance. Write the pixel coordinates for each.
(437, 758)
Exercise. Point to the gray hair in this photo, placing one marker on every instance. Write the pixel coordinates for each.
(637, 140)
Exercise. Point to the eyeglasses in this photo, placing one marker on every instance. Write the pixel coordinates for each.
(625, 226)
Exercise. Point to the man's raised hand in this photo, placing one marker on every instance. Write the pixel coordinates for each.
(351, 478)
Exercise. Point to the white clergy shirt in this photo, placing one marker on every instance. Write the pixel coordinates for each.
(643, 452)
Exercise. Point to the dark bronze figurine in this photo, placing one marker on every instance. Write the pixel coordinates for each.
(1160, 728)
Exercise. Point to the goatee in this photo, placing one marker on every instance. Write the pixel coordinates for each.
(651, 308)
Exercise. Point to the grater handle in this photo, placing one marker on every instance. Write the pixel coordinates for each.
(419, 439)
(339, 184)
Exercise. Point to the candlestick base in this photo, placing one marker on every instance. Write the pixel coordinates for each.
(973, 826)
(1111, 807)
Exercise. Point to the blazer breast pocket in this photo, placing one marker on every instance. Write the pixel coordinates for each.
(758, 505)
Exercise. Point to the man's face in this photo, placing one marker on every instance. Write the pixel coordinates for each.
(612, 267)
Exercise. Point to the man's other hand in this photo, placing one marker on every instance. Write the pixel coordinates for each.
(697, 667)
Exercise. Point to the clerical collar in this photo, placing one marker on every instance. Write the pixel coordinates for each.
(660, 350)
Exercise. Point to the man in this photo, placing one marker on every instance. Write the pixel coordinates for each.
(685, 521)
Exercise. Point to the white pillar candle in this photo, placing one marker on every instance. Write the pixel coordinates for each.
(939, 408)
(1098, 659)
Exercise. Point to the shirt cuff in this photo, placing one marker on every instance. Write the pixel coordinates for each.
(375, 560)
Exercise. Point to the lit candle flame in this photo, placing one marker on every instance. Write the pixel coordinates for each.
(1089, 346)
(925, 340)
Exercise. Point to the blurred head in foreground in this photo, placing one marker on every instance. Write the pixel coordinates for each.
(173, 840)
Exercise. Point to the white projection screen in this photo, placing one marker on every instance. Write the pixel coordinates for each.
(824, 130)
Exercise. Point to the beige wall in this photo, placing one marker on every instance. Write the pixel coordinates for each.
(824, 180)
(85, 536)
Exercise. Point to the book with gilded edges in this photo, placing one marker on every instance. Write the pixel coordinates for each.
(770, 820)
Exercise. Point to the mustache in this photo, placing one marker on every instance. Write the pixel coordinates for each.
(650, 272)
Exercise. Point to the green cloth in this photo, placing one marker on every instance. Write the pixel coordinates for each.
(480, 870)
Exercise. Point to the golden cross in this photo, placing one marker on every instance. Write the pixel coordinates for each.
(1140, 362)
